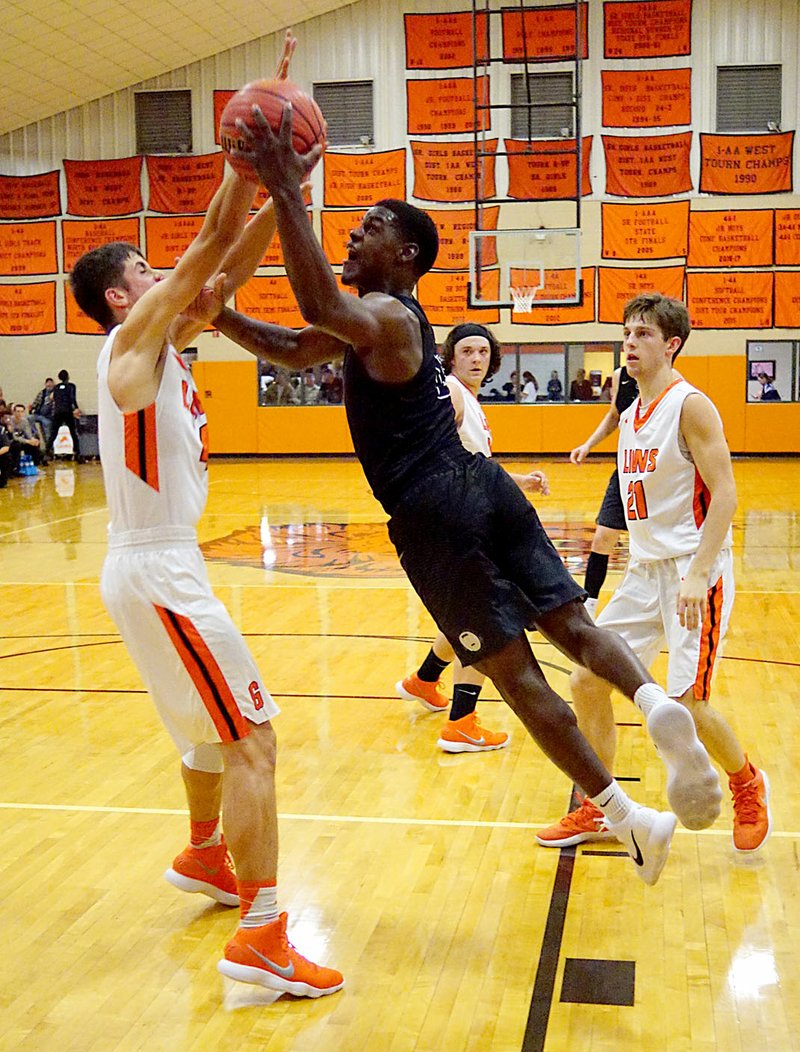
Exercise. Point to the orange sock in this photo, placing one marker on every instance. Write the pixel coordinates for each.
(205, 834)
(258, 902)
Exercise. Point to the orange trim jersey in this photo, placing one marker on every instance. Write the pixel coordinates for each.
(474, 431)
(154, 460)
(665, 499)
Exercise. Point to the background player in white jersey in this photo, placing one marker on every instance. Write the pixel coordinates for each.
(191, 657)
(677, 485)
(470, 355)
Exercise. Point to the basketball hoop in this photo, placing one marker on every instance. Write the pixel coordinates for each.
(523, 296)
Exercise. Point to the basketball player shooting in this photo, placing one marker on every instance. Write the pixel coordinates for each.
(468, 539)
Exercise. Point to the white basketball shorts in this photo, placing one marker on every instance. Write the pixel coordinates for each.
(643, 610)
(192, 658)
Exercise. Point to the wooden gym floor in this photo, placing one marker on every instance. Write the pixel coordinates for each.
(415, 873)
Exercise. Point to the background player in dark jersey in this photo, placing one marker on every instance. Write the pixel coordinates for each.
(611, 517)
(468, 539)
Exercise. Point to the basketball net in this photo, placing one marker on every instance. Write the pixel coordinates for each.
(523, 296)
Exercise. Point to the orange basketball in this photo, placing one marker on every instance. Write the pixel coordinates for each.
(308, 124)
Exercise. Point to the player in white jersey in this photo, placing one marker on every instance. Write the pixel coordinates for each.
(679, 494)
(470, 355)
(189, 653)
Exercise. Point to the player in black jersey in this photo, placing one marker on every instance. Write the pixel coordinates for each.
(467, 537)
(611, 517)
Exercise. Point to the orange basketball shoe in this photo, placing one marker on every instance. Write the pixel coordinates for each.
(467, 735)
(585, 823)
(266, 957)
(752, 821)
(428, 694)
(208, 870)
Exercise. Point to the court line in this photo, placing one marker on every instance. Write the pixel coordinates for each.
(383, 820)
(52, 522)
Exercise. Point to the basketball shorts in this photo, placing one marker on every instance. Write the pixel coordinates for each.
(478, 557)
(643, 610)
(612, 511)
(192, 658)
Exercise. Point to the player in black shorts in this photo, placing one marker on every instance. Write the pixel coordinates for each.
(611, 518)
(467, 537)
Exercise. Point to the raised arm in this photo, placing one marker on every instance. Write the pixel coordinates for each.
(291, 348)
(702, 431)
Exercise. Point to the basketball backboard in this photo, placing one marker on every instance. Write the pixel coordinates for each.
(522, 269)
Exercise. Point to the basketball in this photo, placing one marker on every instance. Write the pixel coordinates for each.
(308, 124)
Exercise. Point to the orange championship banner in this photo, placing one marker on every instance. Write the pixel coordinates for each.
(221, 100)
(78, 323)
(787, 237)
(443, 295)
(30, 196)
(28, 248)
(648, 166)
(547, 34)
(445, 171)
(104, 188)
(730, 299)
(444, 40)
(731, 239)
(184, 184)
(168, 237)
(746, 164)
(82, 235)
(546, 169)
(447, 106)
(559, 283)
(787, 299)
(270, 299)
(617, 285)
(648, 29)
(646, 98)
(645, 231)
(28, 310)
(360, 179)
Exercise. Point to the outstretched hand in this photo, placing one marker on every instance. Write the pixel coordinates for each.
(289, 45)
(273, 157)
(534, 482)
(208, 303)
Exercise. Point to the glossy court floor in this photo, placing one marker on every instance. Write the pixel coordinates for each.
(415, 873)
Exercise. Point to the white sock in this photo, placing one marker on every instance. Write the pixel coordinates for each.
(648, 696)
(263, 909)
(614, 802)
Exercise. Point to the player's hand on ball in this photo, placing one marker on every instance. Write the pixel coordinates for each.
(274, 158)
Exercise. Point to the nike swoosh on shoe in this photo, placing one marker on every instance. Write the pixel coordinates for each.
(472, 741)
(637, 858)
(285, 971)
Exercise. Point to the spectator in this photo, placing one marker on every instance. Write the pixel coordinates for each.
(605, 390)
(580, 389)
(65, 411)
(331, 390)
(309, 392)
(6, 465)
(510, 388)
(555, 388)
(25, 438)
(41, 409)
(530, 389)
(768, 392)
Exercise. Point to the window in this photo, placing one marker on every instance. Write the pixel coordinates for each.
(347, 107)
(772, 370)
(320, 385)
(543, 373)
(163, 121)
(546, 109)
(748, 98)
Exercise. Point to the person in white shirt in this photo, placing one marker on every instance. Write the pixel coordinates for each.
(471, 355)
(679, 495)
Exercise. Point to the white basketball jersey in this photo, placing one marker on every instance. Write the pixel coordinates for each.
(154, 460)
(474, 431)
(665, 498)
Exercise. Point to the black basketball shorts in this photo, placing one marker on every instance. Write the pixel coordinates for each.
(478, 557)
(612, 511)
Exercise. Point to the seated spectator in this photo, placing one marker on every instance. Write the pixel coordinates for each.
(281, 391)
(309, 391)
(6, 465)
(530, 388)
(580, 389)
(768, 392)
(605, 390)
(24, 437)
(331, 390)
(510, 388)
(555, 388)
(41, 409)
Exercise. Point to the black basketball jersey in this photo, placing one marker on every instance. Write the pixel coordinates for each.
(401, 430)
(627, 391)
